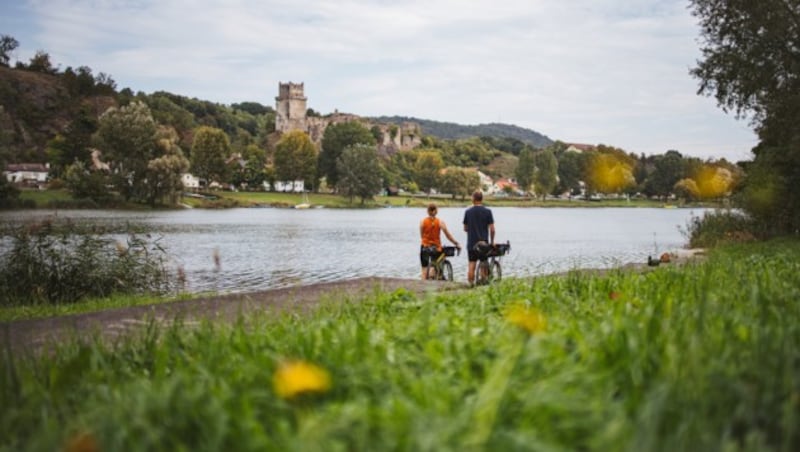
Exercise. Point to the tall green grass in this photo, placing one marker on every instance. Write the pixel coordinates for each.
(699, 357)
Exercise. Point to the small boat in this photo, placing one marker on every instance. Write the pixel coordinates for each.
(305, 204)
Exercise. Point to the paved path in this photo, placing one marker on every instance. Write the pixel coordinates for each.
(36, 334)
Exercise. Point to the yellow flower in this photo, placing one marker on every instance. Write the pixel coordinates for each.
(82, 442)
(529, 319)
(298, 377)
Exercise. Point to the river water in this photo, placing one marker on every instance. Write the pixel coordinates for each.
(270, 248)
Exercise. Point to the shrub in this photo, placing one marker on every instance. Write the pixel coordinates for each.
(60, 263)
(721, 226)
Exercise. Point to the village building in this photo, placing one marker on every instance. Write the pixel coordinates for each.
(579, 147)
(27, 174)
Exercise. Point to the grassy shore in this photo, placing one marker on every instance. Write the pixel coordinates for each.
(227, 199)
(265, 199)
(698, 357)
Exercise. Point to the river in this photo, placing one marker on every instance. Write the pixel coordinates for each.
(270, 248)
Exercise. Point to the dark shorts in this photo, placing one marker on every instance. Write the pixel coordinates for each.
(424, 252)
(478, 252)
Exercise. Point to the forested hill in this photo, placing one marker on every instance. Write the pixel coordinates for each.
(452, 131)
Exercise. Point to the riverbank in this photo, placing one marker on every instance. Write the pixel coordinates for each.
(110, 324)
(677, 358)
(226, 199)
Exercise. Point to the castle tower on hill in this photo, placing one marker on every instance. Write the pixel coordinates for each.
(290, 106)
(290, 109)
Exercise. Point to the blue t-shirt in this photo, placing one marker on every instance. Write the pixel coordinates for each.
(477, 220)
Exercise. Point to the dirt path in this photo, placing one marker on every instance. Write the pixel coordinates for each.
(31, 335)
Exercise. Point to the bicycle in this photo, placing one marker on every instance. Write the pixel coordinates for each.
(489, 268)
(441, 267)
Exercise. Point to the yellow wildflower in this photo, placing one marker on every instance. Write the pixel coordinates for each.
(298, 377)
(529, 319)
(82, 442)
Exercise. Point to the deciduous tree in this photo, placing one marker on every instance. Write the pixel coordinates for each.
(359, 172)
(460, 182)
(126, 136)
(426, 169)
(296, 158)
(210, 149)
(335, 139)
(525, 169)
(750, 65)
(7, 46)
(545, 176)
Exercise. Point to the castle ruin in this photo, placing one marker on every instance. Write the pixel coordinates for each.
(291, 114)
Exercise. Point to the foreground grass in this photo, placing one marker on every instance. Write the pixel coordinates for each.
(703, 357)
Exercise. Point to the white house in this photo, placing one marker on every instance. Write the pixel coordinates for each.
(486, 182)
(297, 186)
(579, 147)
(190, 181)
(27, 173)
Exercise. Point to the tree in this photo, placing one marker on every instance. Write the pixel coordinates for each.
(571, 168)
(40, 62)
(608, 173)
(668, 169)
(164, 172)
(460, 182)
(426, 169)
(7, 46)
(210, 149)
(73, 145)
(525, 169)
(126, 136)
(359, 172)
(750, 53)
(84, 183)
(545, 177)
(296, 158)
(335, 139)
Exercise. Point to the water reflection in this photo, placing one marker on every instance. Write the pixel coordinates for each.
(269, 248)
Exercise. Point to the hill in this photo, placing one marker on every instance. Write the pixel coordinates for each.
(452, 131)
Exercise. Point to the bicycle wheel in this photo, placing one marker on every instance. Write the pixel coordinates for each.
(484, 273)
(447, 271)
(497, 272)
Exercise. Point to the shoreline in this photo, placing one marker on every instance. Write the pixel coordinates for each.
(41, 333)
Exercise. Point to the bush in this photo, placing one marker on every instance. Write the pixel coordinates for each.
(50, 263)
(722, 226)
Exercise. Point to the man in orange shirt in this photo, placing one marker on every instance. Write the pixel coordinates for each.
(430, 229)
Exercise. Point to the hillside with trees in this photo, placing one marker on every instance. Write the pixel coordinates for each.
(452, 131)
(95, 137)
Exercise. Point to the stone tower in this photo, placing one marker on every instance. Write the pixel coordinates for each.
(290, 106)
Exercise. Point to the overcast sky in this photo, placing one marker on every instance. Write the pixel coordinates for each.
(614, 72)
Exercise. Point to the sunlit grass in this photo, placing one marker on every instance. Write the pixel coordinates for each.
(701, 357)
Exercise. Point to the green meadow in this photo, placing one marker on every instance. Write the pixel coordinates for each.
(704, 356)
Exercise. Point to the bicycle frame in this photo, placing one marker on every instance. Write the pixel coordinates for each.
(438, 265)
(489, 268)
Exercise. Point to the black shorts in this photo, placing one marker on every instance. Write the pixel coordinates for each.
(479, 251)
(425, 251)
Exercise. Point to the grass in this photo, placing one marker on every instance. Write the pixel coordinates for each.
(43, 198)
(269, 199)
(41, 310)
(701, 357)
(225, 199)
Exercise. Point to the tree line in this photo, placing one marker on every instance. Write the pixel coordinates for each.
(148, 141)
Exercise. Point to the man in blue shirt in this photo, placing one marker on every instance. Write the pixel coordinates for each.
(479, 225)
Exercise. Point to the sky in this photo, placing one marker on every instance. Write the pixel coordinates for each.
(613, 72)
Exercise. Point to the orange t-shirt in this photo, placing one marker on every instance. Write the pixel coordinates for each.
(430, 232)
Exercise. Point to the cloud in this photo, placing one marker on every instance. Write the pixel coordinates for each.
(613, 72)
